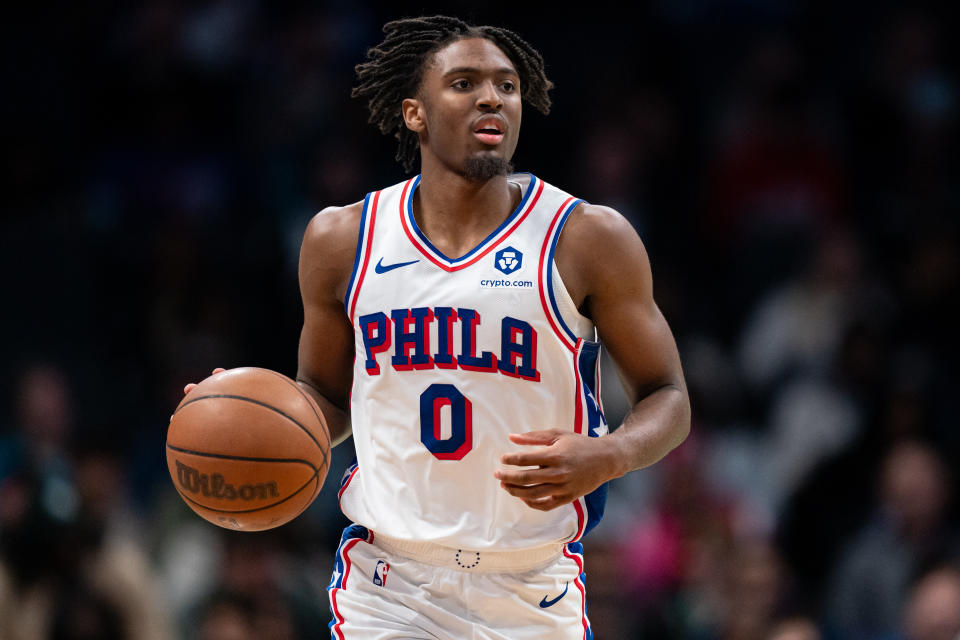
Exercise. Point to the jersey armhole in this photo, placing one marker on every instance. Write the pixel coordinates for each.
(567, 322)
(361, 259)
(579, 324)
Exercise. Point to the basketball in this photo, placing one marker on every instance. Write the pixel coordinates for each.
(248, 449)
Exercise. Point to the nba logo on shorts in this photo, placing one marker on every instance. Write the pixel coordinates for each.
(380, 573)
(508, 260)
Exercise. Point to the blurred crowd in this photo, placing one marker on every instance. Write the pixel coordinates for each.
(787, 164)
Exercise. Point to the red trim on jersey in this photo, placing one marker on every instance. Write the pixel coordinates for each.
(581, 519)
(346, 484)
(599, 395)
(336, 612)
(366, 256)
(343, 585)
(542, 281)
(583, 593)
(493, 244)
(578, 409)
(578, 428)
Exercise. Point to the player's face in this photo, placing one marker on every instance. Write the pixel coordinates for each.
(470, 105)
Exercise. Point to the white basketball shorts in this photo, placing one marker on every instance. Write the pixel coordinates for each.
(387, 589)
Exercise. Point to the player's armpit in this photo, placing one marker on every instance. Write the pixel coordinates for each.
(325, 357)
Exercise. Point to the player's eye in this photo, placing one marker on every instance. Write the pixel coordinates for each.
(508, 86)
(461, 84)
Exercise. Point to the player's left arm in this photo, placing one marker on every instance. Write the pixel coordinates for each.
(605, 268)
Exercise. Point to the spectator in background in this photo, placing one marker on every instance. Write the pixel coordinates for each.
(789, 354)
(43, 421)
(797, 327)
(795, 628)
(774, 179)
(873, 575)
(70, 564)
(260, 593)
(113, 560)
(932, 610)
(225, 616)
(676, 547)
(66, 579)
(757, 591)
(699, 565)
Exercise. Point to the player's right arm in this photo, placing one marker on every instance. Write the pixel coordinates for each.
(325, 360)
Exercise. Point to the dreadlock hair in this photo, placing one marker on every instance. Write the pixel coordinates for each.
(394, 69)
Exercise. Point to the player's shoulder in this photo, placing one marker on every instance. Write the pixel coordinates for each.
(334, 224)
(598, 246)
(600, 219)
(341, 223)
(329, 246)
(601, 222)
(599, 228)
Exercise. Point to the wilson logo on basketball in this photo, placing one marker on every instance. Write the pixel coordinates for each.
(217, 487)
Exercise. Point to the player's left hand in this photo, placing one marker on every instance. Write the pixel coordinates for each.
(569, 466)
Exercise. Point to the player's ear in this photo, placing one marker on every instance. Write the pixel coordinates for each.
(413, 114)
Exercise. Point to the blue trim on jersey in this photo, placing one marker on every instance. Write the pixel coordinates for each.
(356, 258)
(352, 532)
(348, 471)
(349, 533)
(587, 364)
(596, 500)
(586, 612)
(577, 549)
(503, 225)
(548, 265)
(596, 504)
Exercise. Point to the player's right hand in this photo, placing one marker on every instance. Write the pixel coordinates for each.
(191, 385)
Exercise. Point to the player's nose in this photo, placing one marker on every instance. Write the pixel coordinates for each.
(488, 98)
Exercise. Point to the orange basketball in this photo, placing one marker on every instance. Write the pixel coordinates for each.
(248, 449)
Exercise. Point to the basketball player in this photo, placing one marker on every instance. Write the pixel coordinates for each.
(450, 319)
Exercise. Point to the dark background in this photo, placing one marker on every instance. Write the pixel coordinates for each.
(788, 166)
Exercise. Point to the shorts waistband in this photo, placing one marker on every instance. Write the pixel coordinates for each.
(517, 561)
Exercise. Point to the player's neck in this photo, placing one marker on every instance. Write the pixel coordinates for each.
(456, 214)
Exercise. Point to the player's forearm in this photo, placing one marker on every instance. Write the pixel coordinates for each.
(338, 421)
(656, 425)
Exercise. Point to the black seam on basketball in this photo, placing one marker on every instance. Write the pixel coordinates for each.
(310, 403)
(252, 401)
(316, 492)
(226, 456)
(267, 506)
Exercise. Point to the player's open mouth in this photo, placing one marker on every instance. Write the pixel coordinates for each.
(489, 130)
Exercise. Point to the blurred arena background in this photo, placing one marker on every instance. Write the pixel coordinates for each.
(787, 164)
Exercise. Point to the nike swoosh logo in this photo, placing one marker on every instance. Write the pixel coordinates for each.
(383, 268)
(549, 603)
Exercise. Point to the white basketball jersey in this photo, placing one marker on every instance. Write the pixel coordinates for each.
(452, 356)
